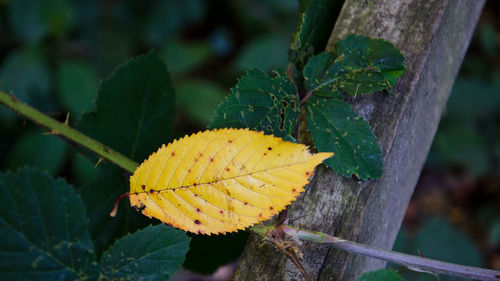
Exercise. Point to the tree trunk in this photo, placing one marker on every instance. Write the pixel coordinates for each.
(433, 36)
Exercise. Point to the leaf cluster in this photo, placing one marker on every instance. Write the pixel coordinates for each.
(61, 233)
(359, 65)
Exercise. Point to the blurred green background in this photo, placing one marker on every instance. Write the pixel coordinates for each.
(53, 54)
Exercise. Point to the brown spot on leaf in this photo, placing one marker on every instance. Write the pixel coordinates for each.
(211, 159)
(221, 211)
(230, 141)
(197, 222)
(308, 173)
(269, 148)
(198, 210)
(245, 203)
(265, 153)
(173, 154)
(294, 190)
(271, 208)
(227, 169)
(143, 187)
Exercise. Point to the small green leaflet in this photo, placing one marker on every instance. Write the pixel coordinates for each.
(261, 103)
(336, 127)
(381, 275)
(360, 65)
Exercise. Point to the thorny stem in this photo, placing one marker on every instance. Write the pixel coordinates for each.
(65, 131)
(412, 262)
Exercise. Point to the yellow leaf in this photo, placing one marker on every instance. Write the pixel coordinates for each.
(221, 180)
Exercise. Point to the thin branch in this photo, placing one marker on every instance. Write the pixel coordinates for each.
(412, 262)
(64, 130)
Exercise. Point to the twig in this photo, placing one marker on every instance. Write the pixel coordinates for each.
(420, 263)
(63, 130)
(412, 262)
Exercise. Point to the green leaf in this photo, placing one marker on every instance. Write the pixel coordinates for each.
(36, 149)
(132, 105)
(261, 103)
(360, 65)
(316, 20)
(153, 253)
(77, 86)
(43, 228)
(381, 275)
(99, 197)
(263, 53)
(200, 99)
(336, 127)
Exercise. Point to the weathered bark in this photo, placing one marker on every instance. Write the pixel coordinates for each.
(433, 35)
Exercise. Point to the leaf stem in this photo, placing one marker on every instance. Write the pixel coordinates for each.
(412, 262)
(64, 130)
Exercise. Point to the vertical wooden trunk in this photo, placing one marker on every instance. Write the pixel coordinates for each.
(433, 35)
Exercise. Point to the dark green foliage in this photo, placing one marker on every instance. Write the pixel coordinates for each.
(469, 126)
(77, 85)
(25, 73)
(360, 65)
(43, 228)
(260, 103)
(316, 20)
(45, 237)
(265, 53)
(381, 275)
(153, 253)
(32, 19)
(183, 57)
(336, 127)
(37, 149)
(200, 98)
(207, 253)
(438, 239)
(137, 99)
(99, 197)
